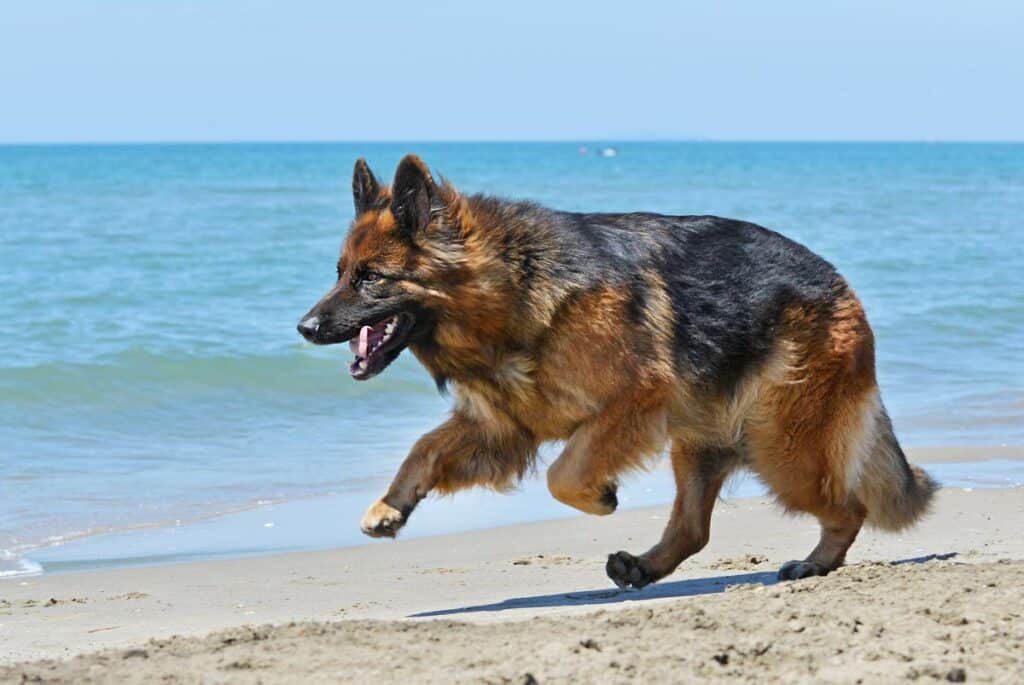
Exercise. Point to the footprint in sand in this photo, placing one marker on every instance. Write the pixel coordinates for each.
(743, 562)
(546, 561)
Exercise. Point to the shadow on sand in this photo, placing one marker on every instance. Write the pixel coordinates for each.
(678, 588)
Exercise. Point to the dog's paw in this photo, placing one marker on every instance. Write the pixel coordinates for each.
(795, 570)
(382, 520)
(627, 571)
(599, 500)
(609, 499)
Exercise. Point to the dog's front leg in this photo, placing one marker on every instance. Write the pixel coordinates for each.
(585, 475)
(458, 454)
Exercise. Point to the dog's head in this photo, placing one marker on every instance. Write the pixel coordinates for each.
(404, 248)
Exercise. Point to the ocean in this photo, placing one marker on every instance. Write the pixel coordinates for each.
(152, 383)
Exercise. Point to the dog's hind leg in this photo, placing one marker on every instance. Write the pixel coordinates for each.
(825, 445)
(585, 475)
(839, 528)
(699, 474)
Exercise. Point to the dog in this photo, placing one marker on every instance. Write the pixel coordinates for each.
(619, 334)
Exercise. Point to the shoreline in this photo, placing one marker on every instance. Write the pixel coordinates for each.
(548, 568)
(275, 527)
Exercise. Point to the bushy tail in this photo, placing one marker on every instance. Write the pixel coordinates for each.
(895, 493)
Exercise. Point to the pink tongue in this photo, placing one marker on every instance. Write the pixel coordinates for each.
(364, 341)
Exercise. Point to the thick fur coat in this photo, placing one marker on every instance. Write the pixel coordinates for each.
(622, 335)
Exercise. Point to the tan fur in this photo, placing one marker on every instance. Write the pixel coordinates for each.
(547, 366)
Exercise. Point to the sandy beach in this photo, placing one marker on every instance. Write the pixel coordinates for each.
(469, 342)
(532, 601)
(938, 621)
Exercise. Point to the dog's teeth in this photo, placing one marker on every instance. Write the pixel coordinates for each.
(362, 365)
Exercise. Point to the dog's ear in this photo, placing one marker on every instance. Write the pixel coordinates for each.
(365, 189)
(412, 195)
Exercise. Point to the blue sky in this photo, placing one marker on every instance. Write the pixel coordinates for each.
(113, 70)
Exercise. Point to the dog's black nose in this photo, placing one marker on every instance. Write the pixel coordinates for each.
(309, 326)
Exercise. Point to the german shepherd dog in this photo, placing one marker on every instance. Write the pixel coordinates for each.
(619, 334)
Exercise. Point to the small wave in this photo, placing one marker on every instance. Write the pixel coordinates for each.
(12, 565)
(138, 374)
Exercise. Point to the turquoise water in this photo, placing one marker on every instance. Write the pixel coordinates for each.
(150, 372)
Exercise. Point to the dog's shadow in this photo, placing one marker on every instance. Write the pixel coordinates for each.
(679, 588)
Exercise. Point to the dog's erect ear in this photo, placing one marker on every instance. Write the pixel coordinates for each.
(365, 189)
(412, 195)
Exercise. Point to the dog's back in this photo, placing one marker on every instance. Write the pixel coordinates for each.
(773, 355)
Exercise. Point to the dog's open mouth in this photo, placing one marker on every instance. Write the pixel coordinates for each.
(378, 345)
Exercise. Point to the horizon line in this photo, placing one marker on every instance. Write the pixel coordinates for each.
(508, 141)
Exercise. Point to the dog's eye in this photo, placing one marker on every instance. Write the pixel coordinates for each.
(366, 278)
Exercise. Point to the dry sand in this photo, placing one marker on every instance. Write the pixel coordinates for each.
(518, 603)
(870, 623)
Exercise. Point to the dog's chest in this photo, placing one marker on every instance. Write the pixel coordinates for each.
(550, 402)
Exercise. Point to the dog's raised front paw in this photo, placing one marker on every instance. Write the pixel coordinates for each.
(609, 498)
(382, 520)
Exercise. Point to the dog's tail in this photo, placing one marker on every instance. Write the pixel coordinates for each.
(894, 492)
